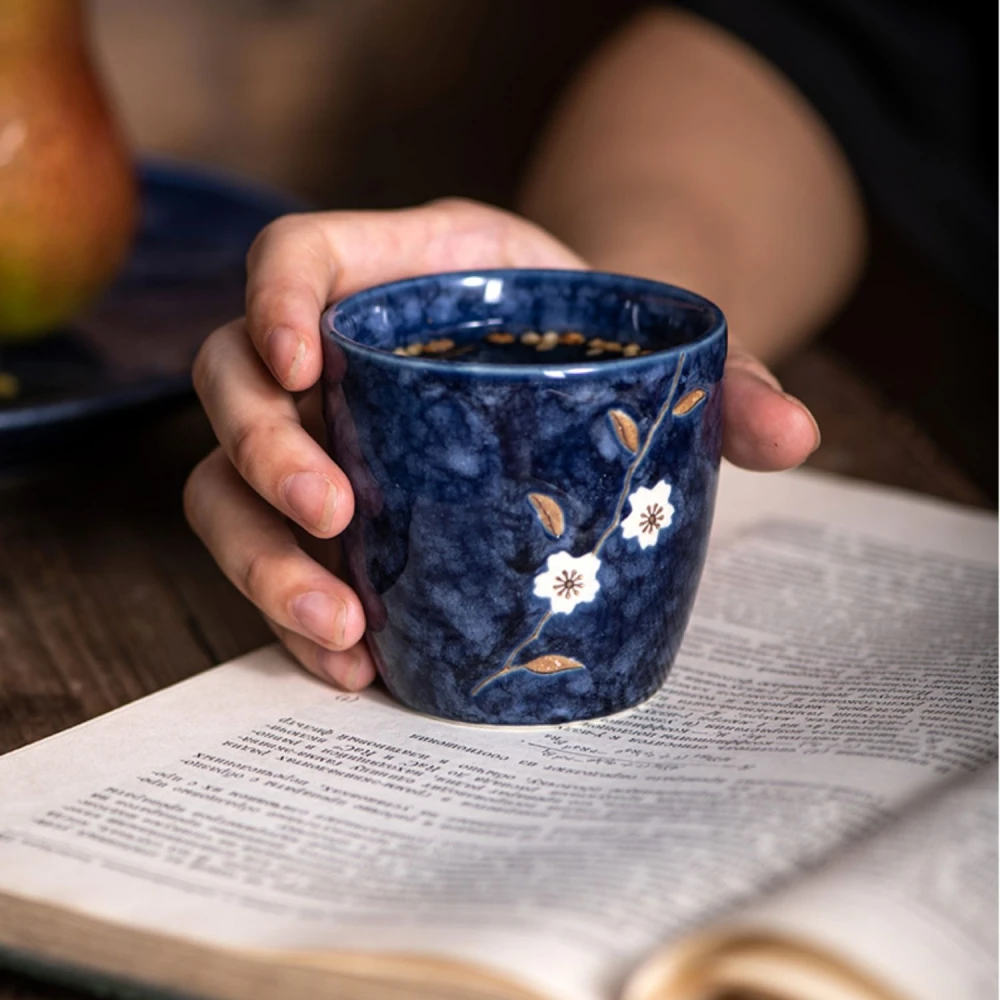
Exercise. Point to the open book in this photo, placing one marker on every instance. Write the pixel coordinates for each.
(807, 811)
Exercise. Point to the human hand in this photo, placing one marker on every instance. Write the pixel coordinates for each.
(257, 377)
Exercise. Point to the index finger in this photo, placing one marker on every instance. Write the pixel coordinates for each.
(301, 263)
(290, 278)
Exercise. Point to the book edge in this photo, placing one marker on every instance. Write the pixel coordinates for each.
(904, 494)
(730, 959)
(74, 946)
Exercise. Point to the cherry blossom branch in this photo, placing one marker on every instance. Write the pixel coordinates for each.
(507, 668)
(630, 472)
(559, 664)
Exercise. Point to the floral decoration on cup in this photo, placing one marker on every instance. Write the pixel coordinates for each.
(651, 512)
(568, 581)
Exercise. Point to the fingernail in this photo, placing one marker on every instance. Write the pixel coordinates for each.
(342, 668)
(311, 498)
(322, 615)
(805, 409)
(760, 373)
(350, 673)
(766, 375)
(287, 350)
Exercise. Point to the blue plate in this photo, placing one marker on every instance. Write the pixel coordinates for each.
(134, 347)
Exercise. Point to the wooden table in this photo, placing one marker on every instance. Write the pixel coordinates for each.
(106, 596)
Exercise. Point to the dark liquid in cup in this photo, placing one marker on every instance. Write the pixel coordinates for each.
(529, 348)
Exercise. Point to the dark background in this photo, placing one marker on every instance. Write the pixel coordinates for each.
(383, 103)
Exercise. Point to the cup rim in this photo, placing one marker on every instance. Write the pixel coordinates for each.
(717, 329)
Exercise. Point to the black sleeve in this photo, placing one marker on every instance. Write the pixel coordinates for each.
(909, 90)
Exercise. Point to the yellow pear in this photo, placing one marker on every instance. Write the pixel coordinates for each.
(68, 197)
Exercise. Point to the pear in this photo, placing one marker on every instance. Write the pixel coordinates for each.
(68, 198)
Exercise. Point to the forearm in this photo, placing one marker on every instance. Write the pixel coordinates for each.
(681, 155)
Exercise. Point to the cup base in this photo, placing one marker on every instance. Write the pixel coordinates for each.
(614, 713)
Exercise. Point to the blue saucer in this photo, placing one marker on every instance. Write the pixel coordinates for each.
(134, 347)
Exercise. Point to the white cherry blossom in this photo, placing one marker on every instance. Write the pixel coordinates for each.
(650, 512)
(568, 581)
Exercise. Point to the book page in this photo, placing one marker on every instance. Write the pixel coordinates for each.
(911, 909)
(841, 661)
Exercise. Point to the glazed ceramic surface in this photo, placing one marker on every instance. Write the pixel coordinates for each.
(528, 538)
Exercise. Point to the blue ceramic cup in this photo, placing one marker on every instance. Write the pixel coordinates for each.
(529, 531)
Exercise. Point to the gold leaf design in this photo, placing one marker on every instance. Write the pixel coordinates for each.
(625, 429)
(549, 513)
(550, 664)
(688, 402)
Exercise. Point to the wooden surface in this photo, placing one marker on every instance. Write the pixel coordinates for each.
(105, 595)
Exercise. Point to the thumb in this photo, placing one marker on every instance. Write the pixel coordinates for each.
(765, 429)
